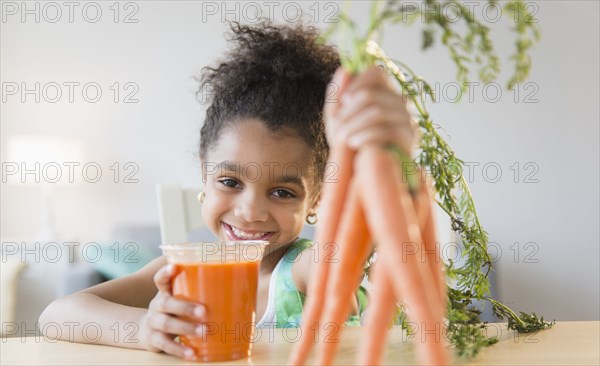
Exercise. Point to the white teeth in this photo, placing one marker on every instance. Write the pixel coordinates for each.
(245, 235)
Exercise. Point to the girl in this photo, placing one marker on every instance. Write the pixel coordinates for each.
(263, 148)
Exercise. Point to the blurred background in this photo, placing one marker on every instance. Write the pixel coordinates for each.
(99, 107)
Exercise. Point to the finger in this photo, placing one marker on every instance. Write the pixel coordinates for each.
(165, 303)
(373, 117)
(397, 136)
(373, 76)
(172, 325)
(354, 103)
(335, 89)
(162, 278)
(167, 345)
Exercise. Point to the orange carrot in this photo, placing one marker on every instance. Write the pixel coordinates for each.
(380, 313)
(428, 248)
(430, 242)
(393, 223)
(353, 241)
(420, 200)
(333, 197)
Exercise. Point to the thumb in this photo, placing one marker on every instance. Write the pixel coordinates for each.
(162, 278)
(337, 86)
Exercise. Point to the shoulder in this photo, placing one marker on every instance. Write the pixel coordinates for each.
(303, 264)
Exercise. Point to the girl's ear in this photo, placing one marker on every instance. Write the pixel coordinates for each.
(316, 202)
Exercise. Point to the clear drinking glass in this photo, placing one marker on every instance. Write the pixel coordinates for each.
(224, 278)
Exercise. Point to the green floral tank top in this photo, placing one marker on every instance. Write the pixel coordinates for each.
(286, 302)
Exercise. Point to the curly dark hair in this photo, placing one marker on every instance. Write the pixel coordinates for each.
(277, 74)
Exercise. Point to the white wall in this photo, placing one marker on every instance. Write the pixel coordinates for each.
(171, 42)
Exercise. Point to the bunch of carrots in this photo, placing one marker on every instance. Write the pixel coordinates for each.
(398, 212)
(394, 215)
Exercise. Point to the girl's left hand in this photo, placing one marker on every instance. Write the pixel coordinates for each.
(371, 112)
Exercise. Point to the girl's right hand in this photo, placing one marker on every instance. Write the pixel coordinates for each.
(163, 321)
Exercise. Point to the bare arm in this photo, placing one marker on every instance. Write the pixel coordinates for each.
(137, 311)
(109, 313)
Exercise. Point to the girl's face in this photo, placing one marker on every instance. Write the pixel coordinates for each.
(257, 185)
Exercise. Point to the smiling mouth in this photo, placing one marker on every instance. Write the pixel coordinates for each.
(234, 233)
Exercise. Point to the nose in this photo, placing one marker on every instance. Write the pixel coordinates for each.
(251, 208)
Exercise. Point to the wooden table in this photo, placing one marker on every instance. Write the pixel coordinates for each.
(568, 343)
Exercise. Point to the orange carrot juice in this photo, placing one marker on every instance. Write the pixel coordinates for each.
(228, 290)
(223, 278)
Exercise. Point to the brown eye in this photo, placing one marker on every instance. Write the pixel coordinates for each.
(228, 182)
(283, 193)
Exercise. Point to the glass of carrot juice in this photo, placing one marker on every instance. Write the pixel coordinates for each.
(224, 278)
